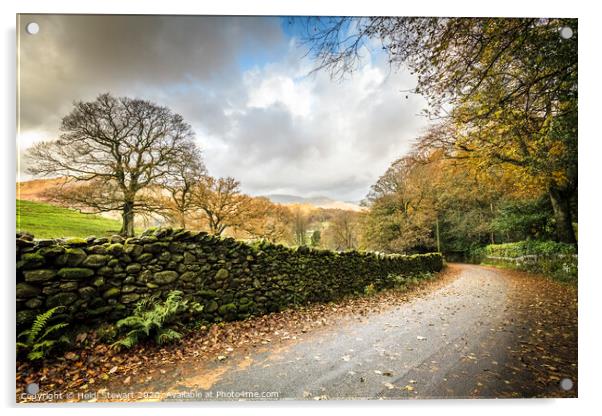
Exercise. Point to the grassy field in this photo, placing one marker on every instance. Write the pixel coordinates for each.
(49, 221)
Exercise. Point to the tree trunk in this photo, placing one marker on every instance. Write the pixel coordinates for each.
(562, 214)
(437, 233)
(492, 233)
(127, 225)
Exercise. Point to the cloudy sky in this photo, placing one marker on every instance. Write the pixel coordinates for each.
(243, 83)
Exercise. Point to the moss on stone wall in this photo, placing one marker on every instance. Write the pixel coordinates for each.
(100, 279)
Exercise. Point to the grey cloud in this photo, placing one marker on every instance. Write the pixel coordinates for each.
(79, 56)
(269, 134)
(204, 108)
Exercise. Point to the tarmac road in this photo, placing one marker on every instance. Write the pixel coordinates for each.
(461, 340)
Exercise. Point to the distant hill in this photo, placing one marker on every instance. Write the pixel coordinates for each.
(34, 190)
(317, 201)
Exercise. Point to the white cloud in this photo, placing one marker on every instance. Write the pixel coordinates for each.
(267, 91)
(312, 135)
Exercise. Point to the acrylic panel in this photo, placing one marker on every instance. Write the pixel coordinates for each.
(263, 208)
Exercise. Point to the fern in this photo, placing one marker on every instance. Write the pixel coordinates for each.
(35, 340)
(150, 319)
(168, 335)
(53, 328)
(129, 341)
(35, 355)
(39, 323)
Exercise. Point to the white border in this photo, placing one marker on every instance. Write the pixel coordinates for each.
(590, 210)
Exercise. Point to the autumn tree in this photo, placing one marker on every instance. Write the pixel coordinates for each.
(221, 203)
(115, 148)
(506, 87)
(465, 198)
(262, 219)
(427, 200)
(402, 211)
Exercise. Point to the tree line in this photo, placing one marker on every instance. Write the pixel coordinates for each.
(499, 160)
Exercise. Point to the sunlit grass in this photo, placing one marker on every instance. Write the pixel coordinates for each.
(49, 221)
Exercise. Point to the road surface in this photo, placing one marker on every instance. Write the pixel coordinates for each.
(480, 335)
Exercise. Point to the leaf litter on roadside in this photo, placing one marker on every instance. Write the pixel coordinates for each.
(138, 366)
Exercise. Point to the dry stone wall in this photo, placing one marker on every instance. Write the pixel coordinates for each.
(101, 279)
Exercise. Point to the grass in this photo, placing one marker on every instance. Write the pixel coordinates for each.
(49, 221)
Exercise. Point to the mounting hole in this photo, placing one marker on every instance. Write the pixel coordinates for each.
(32, 28)
(566, 384)
(566, 32)
(32, 388)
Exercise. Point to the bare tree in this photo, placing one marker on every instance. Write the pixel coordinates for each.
(183, 175)
(342, 232)
(116, 147)
(300, 225)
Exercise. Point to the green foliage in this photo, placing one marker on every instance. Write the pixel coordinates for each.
(397, 281)
(400, 281)
(475, 254)
(523, 219)
(401, 212)
(36, 341)
(370, 290)
(155, 320)
(557, 260)
(529, 247)
(426, 276)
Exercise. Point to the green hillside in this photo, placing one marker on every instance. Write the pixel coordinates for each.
(49, 221)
